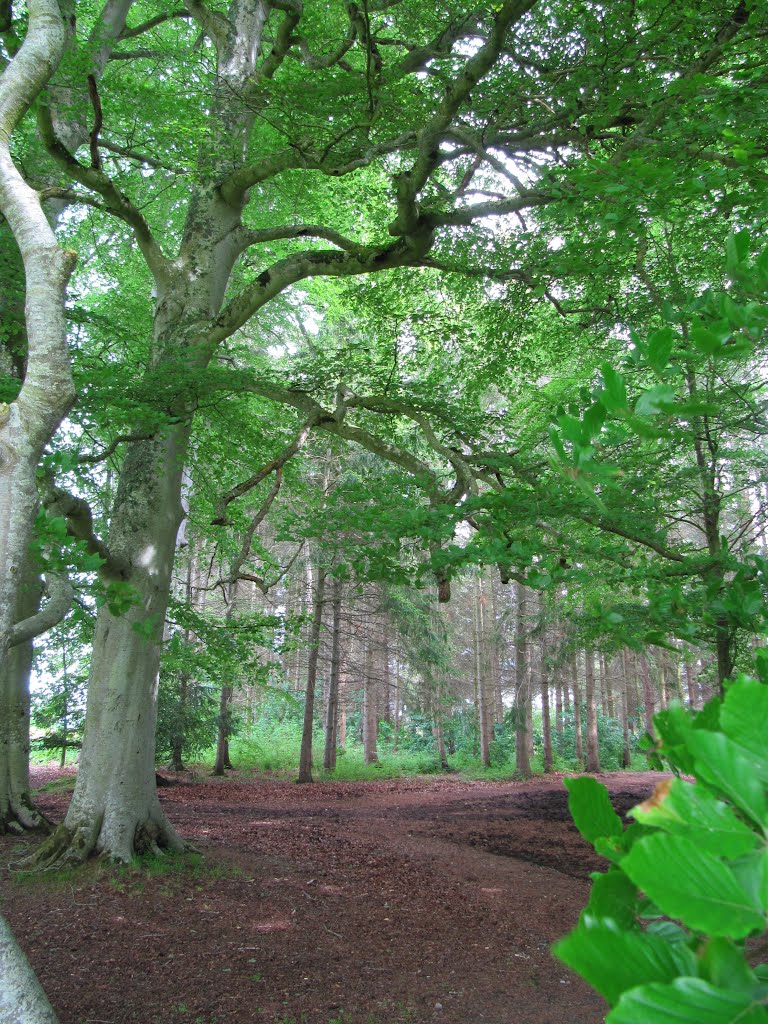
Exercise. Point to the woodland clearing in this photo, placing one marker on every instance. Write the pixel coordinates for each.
(413, 901)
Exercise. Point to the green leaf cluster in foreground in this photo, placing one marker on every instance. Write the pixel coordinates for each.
(664, 935)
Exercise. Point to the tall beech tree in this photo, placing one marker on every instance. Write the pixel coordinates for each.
(278, 144)
(29, 421)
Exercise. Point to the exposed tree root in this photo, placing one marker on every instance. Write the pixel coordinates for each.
(70, 847)
(22, 817)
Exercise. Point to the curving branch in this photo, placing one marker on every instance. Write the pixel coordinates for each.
(284, 38)
(115, 201)
(79, 518)
(61, 594)
(147, 26)
(258, 236)
(428, 157)
(275, 466)
(314, 263)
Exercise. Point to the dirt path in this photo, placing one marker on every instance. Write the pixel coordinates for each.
(413, 901)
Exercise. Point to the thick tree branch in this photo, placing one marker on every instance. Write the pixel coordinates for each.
(248, 237)
(213, 23)
(61, 594)
(115, 202)
(98, 122)
(318, 263)
(410, 183)
(79, 518)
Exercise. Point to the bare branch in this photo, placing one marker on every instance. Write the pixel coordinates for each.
(61, 594)
(255, 523)
(98, 122)
(147, 26)
(115, 202)
(112, 448)
(276, 465)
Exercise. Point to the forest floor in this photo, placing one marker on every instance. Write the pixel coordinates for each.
(421, 901)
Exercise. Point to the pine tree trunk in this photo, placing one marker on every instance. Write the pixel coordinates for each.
(370, 716)
(477, 665)
(332, 705)
(647, 693)
(305, 759)
(593, 749)
(577, 710)
(546, 726)
(223, 761)
(522, 688)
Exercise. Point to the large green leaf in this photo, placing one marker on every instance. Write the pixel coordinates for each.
(591, 809)
(660, 345)
(613, 895)
(726, 766)
(613, 961)
(681, 808)
(686, 1001)
(655, 399)
(615, 395)
(744, 715)
(692, 886)
(723, 963)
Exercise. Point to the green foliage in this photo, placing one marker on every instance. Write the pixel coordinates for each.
(663, 935)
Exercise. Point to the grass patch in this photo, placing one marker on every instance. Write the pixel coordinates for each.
(65, 784)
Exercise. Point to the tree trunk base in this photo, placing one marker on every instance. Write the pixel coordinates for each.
(22, 817)
(68, 846)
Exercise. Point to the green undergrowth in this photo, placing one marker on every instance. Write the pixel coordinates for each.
(65, 784)
(172, 869)
(276, 753)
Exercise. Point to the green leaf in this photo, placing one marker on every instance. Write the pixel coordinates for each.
(723, 963)
(615, 395)
(686, 1001)
(660, 345)
(722, 764)
(594, 418)
(613, 961)
(613, 895)
(706, 341)
(591, 809)
(744, 715)
(751, 872)
(654, 400)
(680, 808)
(692, 886)
(572, 429)
(736, 249)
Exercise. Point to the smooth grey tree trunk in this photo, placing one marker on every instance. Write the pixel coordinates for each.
(47, 392)
(17, 811)
(22, 999)
(115, 808)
